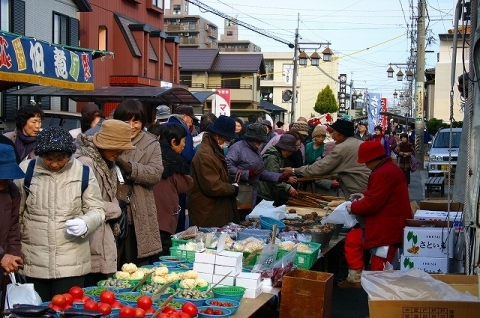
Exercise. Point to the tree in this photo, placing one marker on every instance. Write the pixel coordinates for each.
(433, 125)
(326, 102)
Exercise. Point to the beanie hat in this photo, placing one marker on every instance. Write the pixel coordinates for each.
(114, 134)
(301, 127)
(89, 108)
(319, 131)
(186, 110)
(256, 132)
(54, 139)
(370, 150)
(224, 126)
(163, 112)
(344, 127)
(267, 123)
(287, 142)
(363, 123)
(9, 168)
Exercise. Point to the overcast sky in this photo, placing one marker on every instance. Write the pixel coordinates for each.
(366, 34)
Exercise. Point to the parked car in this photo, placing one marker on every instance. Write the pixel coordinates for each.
(68, 120)
(439, 152)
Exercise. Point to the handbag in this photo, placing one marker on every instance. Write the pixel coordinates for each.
(245, 193)
(414, 163)
(19, 293)
(120, 225)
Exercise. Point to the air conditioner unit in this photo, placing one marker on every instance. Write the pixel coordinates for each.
(186, 34)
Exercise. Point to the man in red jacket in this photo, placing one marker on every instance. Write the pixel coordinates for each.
(386, 207)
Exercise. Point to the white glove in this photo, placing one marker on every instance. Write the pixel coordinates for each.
(76, 227)
(356, 196)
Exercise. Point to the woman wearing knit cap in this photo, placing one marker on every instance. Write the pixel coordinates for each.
(270, 132)
(28, 122)
(142, 168)
(57, 215)
(244, 157)
(274, 159)
(99, 152)
(315, 149)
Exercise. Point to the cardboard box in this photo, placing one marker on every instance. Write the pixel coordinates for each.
(229, 258)
(228, 281)
(224, 270)
(455, 217)
(434, 265)
(205, 257)
(207, 277)
(252, 293)
(203, 268)
(440, 205)
(428, 241)
(248, 280)
(433, 308)
(306, 294)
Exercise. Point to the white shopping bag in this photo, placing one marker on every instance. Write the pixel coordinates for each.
(266, 208)
(18, 293)
(341, 216)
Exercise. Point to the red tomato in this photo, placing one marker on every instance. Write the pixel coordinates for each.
(182, 314)
(139, 312)
(105, 309)
(85, 298)
(150, 311)
(68, 298)
(127, 312)
(90, 305)
(107, 297)
(59, 300)
(162, 315)
(190, 309)
(76, 292)
(116, 304)
(169, 309)
(78, 300)
(144, 302)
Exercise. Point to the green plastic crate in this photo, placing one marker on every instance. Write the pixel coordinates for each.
(304, 260)
(189, 255)
(176, 242)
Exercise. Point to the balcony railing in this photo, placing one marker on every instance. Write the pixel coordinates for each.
(197, 85)
(233, 49)
(188, 41)
(241, 86)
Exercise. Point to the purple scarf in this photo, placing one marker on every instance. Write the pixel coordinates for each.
(24, 144)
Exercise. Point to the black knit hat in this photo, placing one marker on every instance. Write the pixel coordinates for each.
(256, 132)
(223, 126)
(54, 139)
(287, 142)
(344, 127)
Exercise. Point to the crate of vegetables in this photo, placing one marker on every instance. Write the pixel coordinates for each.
(307, 252)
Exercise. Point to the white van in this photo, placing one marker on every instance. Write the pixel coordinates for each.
(439, 152)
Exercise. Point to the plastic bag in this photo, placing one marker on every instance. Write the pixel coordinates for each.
(409, 285)
(266, 208)
(266, 259)
(341, 216)
(18, 293)
(280, 268)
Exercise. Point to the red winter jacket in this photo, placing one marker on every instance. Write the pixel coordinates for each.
(386, 205)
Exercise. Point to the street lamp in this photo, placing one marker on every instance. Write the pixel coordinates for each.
(400, 74)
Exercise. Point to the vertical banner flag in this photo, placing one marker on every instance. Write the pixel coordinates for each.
(384, 109)
(342, 94)
(374, 107)
(222, 101)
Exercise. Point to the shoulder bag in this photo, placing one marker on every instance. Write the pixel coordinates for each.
(414, 163)
(245, 193)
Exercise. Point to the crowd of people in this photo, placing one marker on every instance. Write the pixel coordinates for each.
(61, 196)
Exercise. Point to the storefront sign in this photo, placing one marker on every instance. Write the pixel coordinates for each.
(374, 107)
(342, 94)
(222, 101)
(24, 59)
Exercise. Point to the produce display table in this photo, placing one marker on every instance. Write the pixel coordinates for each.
(249, 306)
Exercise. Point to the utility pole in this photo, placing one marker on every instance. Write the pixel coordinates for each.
(295, 71)
(419, 83)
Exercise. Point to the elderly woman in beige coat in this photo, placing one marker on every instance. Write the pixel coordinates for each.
(142, 168)
(100, 152)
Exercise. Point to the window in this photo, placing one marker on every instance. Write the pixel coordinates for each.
(269, 69)
(176, 9)
(102, 38)
(158, 3)
(60, 29)
(4, 15)
(229, 33)
(231, 80)
(186, 78)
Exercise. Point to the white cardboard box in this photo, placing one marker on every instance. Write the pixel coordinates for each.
(228, 281)
(433, 265)
(206, 257)
(428, 241)
(203, 267)
(207, 277)
(253, 293)
(229, 258)
(224, 270)
(248, 280)
(455, 217)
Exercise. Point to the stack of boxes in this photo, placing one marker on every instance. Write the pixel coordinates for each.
(252, 282)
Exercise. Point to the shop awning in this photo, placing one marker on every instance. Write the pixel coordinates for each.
(27, 60)
(151, 95)
(272, 107)
(203, 96)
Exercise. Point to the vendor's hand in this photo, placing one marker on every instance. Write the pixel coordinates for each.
(349, 208)
(287, 171)
(124, 165)
(356, 196)
(76, 227)
(292, 180)
(283, 178)
(292, 192)
(10, 262)
(235, 185)
(335, 184)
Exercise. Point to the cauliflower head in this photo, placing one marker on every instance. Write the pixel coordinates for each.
(129, 268)
(122, 275)
(137, 275)
(188, 283)
(201, 282)
(161, 271)
(159, 280)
